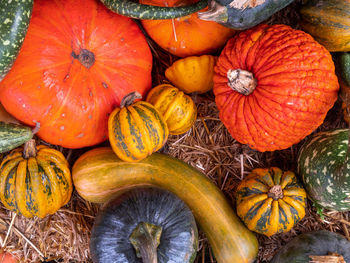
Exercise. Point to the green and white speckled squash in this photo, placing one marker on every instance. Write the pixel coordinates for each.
(14, 21)
(142, 11)
(13, 135)
(324, 165)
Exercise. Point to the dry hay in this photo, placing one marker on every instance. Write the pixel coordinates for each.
(64, 236)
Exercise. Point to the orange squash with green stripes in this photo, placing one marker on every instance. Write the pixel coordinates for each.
(136, 129)
(270, 201)
(35, 181)
(177, 108)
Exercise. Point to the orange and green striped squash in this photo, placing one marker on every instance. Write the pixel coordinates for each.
(35, 181)
(270, 201)
(136, 130)
(328, 21)
(178, 109)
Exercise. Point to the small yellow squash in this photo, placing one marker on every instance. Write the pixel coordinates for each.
(192, 74)
(179, 110)
(136, 129)
(35, 181)
(270, 201)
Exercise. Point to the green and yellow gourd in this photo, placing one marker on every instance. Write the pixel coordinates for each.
(328, 21)
(142, 11)
(35, 180)
(14, 21)
(136, 129)
(270, 201)
(99, 175)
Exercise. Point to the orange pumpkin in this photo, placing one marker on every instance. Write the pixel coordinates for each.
(77, 62)
(186, 36)
(273, 86)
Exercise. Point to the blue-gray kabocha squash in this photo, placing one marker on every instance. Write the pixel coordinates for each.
(324, 165)
(242, 14)
(14, 21)
(142, 11)
(318, 246)
(148, 223)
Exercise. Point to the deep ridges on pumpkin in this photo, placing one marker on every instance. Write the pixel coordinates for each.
(295, 87)
(270, 201)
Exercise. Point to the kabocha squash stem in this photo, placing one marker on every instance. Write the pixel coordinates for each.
(29, 149)
(145, 238)
(99, 175)
(142, 11)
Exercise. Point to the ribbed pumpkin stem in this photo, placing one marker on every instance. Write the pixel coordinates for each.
(29, 149)
(241, 81)
(275, 192)
(145, 238)
(130, 99)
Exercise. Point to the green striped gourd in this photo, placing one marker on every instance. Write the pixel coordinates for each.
(142, 11)
(14, 20)
(324, 165)
(13, 135)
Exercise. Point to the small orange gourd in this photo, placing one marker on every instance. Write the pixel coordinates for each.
(178, 109)
(192, 74)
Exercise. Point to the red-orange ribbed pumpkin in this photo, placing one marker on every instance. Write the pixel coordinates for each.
(186, 36)
(77, 62)
(273, 86)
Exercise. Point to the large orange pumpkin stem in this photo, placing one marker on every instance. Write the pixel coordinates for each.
(85, 57)
(275, 192)
(29, 149)
(241, 81)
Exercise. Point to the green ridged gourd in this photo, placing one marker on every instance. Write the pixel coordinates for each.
(14, 20)
(142, 11)
(324, 165)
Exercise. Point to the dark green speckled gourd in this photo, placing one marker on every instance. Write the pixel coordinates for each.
(142, 11)
(148, 223)
(315, 244)
(324, 165)
(14, 20)
(242, 14)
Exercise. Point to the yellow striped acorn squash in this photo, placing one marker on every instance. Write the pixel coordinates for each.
(35, 181)
(270, 201)
(99, 175)
(136, 129)
(177, 108)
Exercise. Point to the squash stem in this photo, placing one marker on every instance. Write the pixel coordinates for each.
(29, 149)
(130, 99)
(145, 238)
(241, 81)
(275, 192)
(330, 258)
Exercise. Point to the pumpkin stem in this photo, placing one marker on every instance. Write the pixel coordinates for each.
(85, 57)
(275, 192)
(241, 81)
(29, 149)
(330, 258)
(215, 12)
(145, 238)
(130, 99)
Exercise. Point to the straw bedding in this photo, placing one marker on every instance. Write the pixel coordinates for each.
(64, 236)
